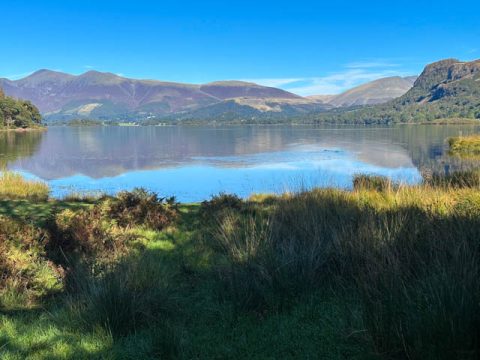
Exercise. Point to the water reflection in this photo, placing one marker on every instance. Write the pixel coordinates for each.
(198, 161)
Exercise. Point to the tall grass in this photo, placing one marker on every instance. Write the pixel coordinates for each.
(412, 254)
(14, 186)
(465, 146)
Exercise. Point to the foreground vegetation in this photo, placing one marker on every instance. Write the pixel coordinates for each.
(383, 271)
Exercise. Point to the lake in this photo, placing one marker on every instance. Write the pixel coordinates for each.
(193, 163)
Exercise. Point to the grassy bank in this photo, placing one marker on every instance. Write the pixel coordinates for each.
(383, 271)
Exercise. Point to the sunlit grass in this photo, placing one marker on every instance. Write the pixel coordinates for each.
(14, 186)
(465, 146)
(385, 270)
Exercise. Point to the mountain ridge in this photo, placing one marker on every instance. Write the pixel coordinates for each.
(447, 88)
(105, 95)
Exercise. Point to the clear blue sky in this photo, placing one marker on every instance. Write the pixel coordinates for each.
(308, 47)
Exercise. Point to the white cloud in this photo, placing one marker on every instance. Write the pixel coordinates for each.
(274, 82)
(371, 64)
(17, 76)
(351, 75)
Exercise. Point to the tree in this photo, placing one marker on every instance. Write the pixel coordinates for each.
(17, 113)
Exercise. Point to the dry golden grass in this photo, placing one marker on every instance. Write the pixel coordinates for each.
(465, 146)
(14, 186)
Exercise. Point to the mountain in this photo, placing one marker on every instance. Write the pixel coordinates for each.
(375, 92)
(253, 110)
(445, 89)
(61, 96)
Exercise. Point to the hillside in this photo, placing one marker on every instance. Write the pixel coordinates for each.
(445, 89)
(374, 92)
(17, 113)
(61, 96)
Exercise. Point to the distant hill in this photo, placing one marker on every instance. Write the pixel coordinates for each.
(445, 89)
(375, 92)
(61, 96)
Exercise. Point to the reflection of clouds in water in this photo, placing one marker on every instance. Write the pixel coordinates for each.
(193, 162)
(196, 183)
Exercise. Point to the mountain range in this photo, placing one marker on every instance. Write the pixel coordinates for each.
(445, 89)
(106, 96)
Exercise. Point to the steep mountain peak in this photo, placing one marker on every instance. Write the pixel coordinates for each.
(435, 73)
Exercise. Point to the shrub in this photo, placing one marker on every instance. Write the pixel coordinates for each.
(87, 236)
(141, 207)
(25, 272)
(220, 204)
(14, 186)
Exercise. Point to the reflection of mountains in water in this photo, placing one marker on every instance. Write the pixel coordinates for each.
(109, 151)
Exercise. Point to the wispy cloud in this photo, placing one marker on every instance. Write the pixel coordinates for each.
(369, 64)
(17, 76)
(351, 75)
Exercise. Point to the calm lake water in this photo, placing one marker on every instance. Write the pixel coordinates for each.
(192, 163)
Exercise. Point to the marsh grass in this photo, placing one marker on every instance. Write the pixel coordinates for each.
(323, 273)
(411, 253)
(14, 186)
(465, 146)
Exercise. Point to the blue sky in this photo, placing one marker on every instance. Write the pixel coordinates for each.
(308, 47)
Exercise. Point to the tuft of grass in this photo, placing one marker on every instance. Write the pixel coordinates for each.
(371, 182)
(465, 146)
(14, 186)
(456, 179)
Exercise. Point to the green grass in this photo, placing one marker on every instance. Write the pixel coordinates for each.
(376, 273)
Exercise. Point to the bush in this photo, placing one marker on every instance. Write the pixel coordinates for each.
(141, 207)
(87, 236)
(219, 204)
(25, 272)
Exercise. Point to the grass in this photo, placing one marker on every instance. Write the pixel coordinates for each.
(379, 272)
(465, 146)
(13, 186)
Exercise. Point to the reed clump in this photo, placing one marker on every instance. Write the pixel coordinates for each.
(14, 186)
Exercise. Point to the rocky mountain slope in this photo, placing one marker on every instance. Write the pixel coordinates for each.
(445, 89)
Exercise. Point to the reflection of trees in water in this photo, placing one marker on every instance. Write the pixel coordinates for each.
(428, 147)
(16, 145)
